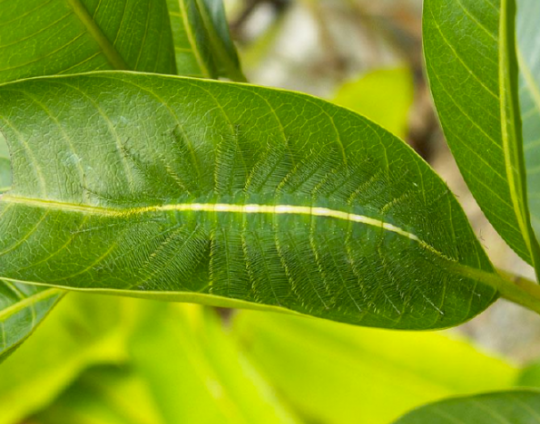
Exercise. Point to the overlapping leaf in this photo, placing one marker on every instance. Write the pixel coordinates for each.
(519, 407)
(22, 307)
(470, 55)
(230, 195)
(202, 40)
(529, 88)
(69, 36)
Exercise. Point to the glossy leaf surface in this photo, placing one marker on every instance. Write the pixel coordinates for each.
(519, 407)
(471, 64)
(69, 36)
(230, 195)
(528, 33)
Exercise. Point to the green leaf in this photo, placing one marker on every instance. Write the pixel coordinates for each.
(469, 47)
(515, 407)
(22, 308)
(231, 195)
(385, 96)
(72, 36)
(68, 36)
(360, 375)
(83, 330)
(529, 89)
(203, 43)
(223, 48)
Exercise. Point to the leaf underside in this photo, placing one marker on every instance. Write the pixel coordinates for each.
(472, 69)
(517, 407)
(230, 195)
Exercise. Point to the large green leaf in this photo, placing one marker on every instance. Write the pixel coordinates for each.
(231, 195)
(529, 89)
(470, 55)
(40, 37)
(363, 375)
(519, 407)
(202, 40)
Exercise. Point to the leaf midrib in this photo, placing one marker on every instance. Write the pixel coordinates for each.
(110, 52)
(278, 209)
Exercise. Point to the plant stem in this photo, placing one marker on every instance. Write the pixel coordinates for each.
(520, 290)
(511, 287)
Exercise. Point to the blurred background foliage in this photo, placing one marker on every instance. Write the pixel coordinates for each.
(106, 360)
(109, 360)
